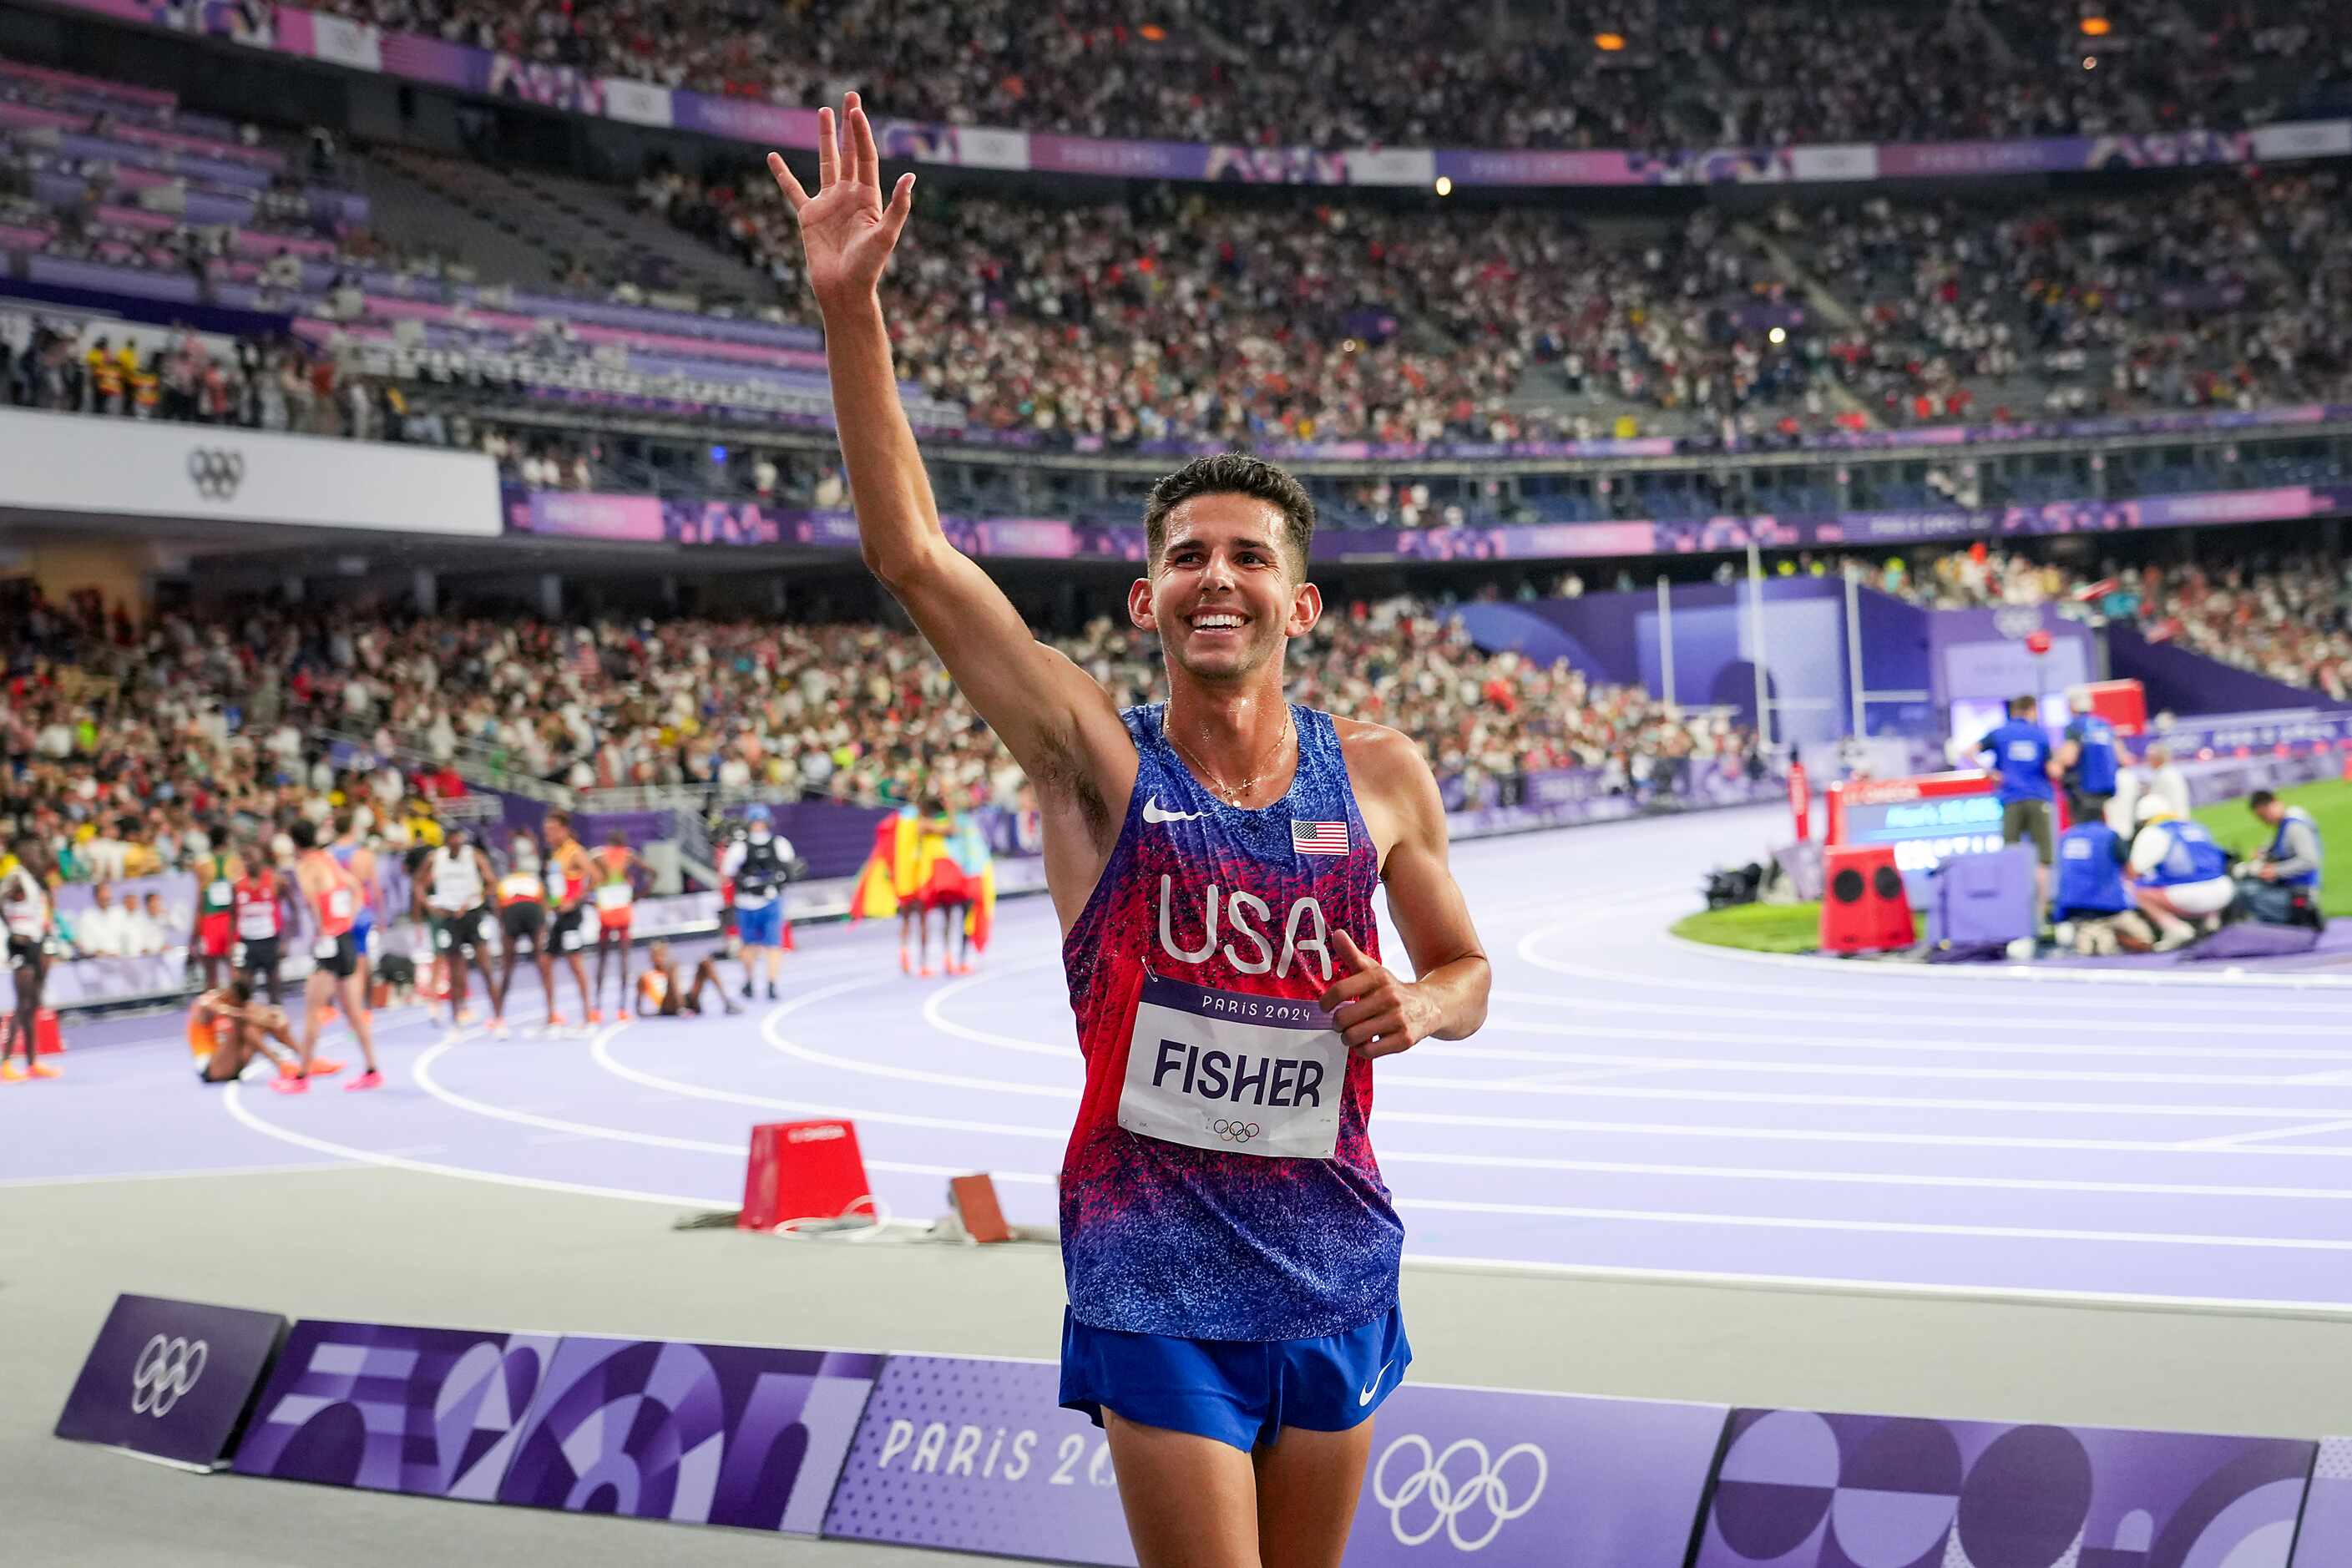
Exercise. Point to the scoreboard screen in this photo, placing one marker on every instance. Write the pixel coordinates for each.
(1925, 819)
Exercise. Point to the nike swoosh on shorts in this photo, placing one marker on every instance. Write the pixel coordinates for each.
(1365, 1396)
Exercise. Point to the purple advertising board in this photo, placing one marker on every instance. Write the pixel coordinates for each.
(357, 45)
(1532, 1478)
(170, 1379)
(2325, 1539)
(648, 520)
(697, 1434)
(977, 1455)
(388, 1407)
(1805, 1490)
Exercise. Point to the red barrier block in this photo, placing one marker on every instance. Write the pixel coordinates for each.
(802, 1169)
(1864, 908)
(46, 1039)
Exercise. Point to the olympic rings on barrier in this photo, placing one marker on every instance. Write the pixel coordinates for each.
(1449, 1500)
(166, 1370)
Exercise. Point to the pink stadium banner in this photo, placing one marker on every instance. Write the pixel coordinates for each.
(356, 46)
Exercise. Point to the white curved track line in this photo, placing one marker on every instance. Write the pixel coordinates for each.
(935, 1015)
(620, 1069)
(1910, 1023)
(1847, 1070)
(422, 1070)
(2218, 977)
(1876, 1226)
(1916, 974)
(231, 1097)
(1395, 1080)
(1862, 1178)
(1840, 1135)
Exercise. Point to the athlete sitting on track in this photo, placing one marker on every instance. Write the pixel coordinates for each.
(1230, 1247)
(660, 996)
(227, 1029)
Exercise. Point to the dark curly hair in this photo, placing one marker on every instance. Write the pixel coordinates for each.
(1233, 474)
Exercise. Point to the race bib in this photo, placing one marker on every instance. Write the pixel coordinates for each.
(323, 949)
(1233, 1071)
(615, 895)
(220, 893)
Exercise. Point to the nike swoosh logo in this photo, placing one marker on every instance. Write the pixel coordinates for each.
(1155, 814)
(1373, 1387)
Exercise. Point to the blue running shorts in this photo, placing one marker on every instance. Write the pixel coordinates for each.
(1240, 1392)
(763, 927)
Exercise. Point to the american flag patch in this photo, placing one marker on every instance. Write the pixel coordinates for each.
(1320, 837)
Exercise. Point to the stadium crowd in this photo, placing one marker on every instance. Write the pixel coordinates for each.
(1331, 73)
(132, 749)
(2288, 618)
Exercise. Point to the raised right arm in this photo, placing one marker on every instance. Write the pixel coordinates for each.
(1057, 721)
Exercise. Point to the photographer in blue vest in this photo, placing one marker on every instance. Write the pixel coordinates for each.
(2092, 904)
(2087, 760)
(2020, 750)
(2181, 878)
(2281, 886)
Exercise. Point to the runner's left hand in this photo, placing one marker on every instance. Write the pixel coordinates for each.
(1377, 1014)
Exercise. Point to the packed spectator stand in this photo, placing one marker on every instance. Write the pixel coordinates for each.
(1173, 317)
(129, 747)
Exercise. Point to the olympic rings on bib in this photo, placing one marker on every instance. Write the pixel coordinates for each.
(1236, 1132)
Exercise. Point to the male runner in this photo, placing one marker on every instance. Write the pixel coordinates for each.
(759, 866)
(260, 900)
(227, 1029)
(30, 920)
(1230, 1247)
(452, 890)
(333, 899)
(661, 995)
(215, 932)
(357, 859)
(522, 919)
(574, 874)
(618, 868)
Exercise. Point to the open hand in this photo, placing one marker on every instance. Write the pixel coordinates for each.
(1376, 1014)
(846, 232)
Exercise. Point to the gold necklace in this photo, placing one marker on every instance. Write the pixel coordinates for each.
(1232, 793)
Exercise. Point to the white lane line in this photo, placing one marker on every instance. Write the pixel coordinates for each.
(1435, 1051)
(935, 1015)
(1389, 1157)
(233, 1100)
(669, 1087)
(2018, 976)
(1969, 1027)
(564, 1129)
(2240, 1140)
(185, 1175)
(1386, 1117)
(1394, 1080)
(1879, 1226)
(2225, 1051)
(1857, 1285)
(2209, 974)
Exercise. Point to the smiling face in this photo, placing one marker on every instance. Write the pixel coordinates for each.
(1224, 595)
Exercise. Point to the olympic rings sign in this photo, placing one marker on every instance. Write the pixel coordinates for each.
(1236, 1132)
(166, 1370)
(1450, 1491)
(215, 472)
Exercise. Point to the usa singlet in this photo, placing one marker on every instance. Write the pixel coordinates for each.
(1220, 1182)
